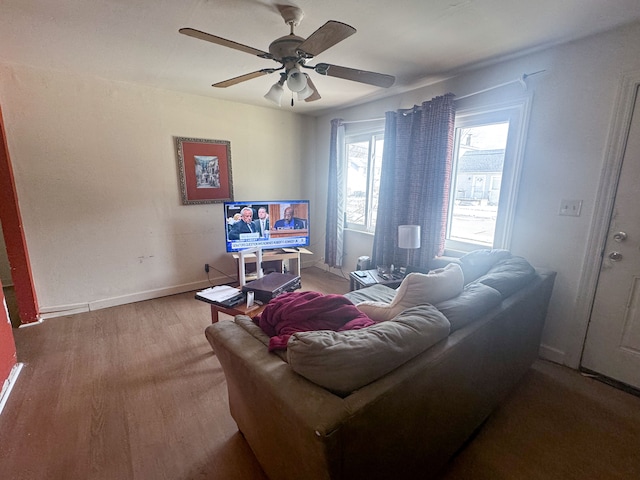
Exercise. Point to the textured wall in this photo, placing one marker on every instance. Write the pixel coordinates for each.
(96, 176)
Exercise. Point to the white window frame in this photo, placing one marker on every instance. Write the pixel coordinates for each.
(516, 112)
(358, 133)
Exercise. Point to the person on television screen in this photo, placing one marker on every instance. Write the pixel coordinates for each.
(245, 225)
(262, 223)
(289, 221)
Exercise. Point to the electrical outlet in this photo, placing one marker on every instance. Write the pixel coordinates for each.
(570, 208)
(206, 267)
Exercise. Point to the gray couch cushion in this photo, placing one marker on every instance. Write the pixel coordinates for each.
(508, 275)
(475, 300)
(249, 325)
(345, 361)
(375, 293)
(479, 262)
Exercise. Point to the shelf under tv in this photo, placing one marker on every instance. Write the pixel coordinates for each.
(278, 255)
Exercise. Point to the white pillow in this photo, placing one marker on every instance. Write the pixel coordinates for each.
(418, 289)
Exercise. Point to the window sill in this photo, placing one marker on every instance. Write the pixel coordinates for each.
(363, 232)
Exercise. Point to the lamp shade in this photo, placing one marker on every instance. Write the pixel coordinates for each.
(296, 80)
(409, 236)
(306, 92)
(275, 94)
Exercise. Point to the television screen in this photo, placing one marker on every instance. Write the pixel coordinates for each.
(266, 224)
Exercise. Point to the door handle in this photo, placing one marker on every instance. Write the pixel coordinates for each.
(620, 236)
(615, 256)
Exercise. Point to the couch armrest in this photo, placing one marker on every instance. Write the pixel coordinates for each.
(277, 410)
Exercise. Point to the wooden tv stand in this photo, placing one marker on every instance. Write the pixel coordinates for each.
(269, 256)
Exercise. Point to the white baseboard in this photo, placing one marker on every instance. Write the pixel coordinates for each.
(62, 310)
(147, 295)
(71, 309)
(552, 354)
(31, 324)
(8, 384)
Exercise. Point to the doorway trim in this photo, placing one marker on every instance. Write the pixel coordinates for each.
(14, 236)
(603, 209)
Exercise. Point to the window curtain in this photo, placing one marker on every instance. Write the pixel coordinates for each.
(333, 249)
(415, 180)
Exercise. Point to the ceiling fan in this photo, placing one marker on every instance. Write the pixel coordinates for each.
(292, 52)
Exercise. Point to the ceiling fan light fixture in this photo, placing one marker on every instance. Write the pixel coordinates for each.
(275, 94)
(291, 52)
(296, 80)
(306, 92)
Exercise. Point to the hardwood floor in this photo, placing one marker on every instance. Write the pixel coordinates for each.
(557, 424)
(135, 392)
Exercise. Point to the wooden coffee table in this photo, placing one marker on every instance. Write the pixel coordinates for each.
(240, 309)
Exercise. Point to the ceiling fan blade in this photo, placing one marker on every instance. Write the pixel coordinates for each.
(362, 76)
(326, 36)
(191, 32)
(315, 95)
(243, 78)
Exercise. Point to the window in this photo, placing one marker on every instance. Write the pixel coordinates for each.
(475, 184)
(363, 154)
(486, 166)
(488, 147)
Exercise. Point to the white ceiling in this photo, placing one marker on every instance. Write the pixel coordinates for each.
(418, 41)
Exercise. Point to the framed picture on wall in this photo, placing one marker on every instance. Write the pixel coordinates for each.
(204, 168)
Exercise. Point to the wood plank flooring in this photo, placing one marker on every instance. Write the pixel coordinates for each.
(135, 392)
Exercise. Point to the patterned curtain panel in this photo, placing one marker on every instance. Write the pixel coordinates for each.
(333, 249)
(415, 180)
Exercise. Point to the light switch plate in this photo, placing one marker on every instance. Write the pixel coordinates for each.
(570, 208)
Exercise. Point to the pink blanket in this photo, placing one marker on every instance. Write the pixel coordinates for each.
(305, 311)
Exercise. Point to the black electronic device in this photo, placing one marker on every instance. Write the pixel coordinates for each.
(272, 285)
(233, 301)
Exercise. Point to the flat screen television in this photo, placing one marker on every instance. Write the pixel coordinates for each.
(266, 224)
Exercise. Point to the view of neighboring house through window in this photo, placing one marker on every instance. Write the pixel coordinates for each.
(486, 164)
(363, 159)
(476, 182)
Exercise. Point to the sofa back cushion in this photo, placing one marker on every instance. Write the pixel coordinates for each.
(475, 300)
(477, 263)
(418, 289)
(508, 276)
(250, 326)
(345, 361)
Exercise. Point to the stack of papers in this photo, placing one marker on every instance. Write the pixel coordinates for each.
(218, 294)
(295, 250)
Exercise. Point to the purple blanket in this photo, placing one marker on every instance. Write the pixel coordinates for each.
(305, 311)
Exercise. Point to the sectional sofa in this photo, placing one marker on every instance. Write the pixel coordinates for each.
(396, 399)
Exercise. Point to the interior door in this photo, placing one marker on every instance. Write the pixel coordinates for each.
(612, 346)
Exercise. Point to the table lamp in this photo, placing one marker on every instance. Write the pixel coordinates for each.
(409, 239)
